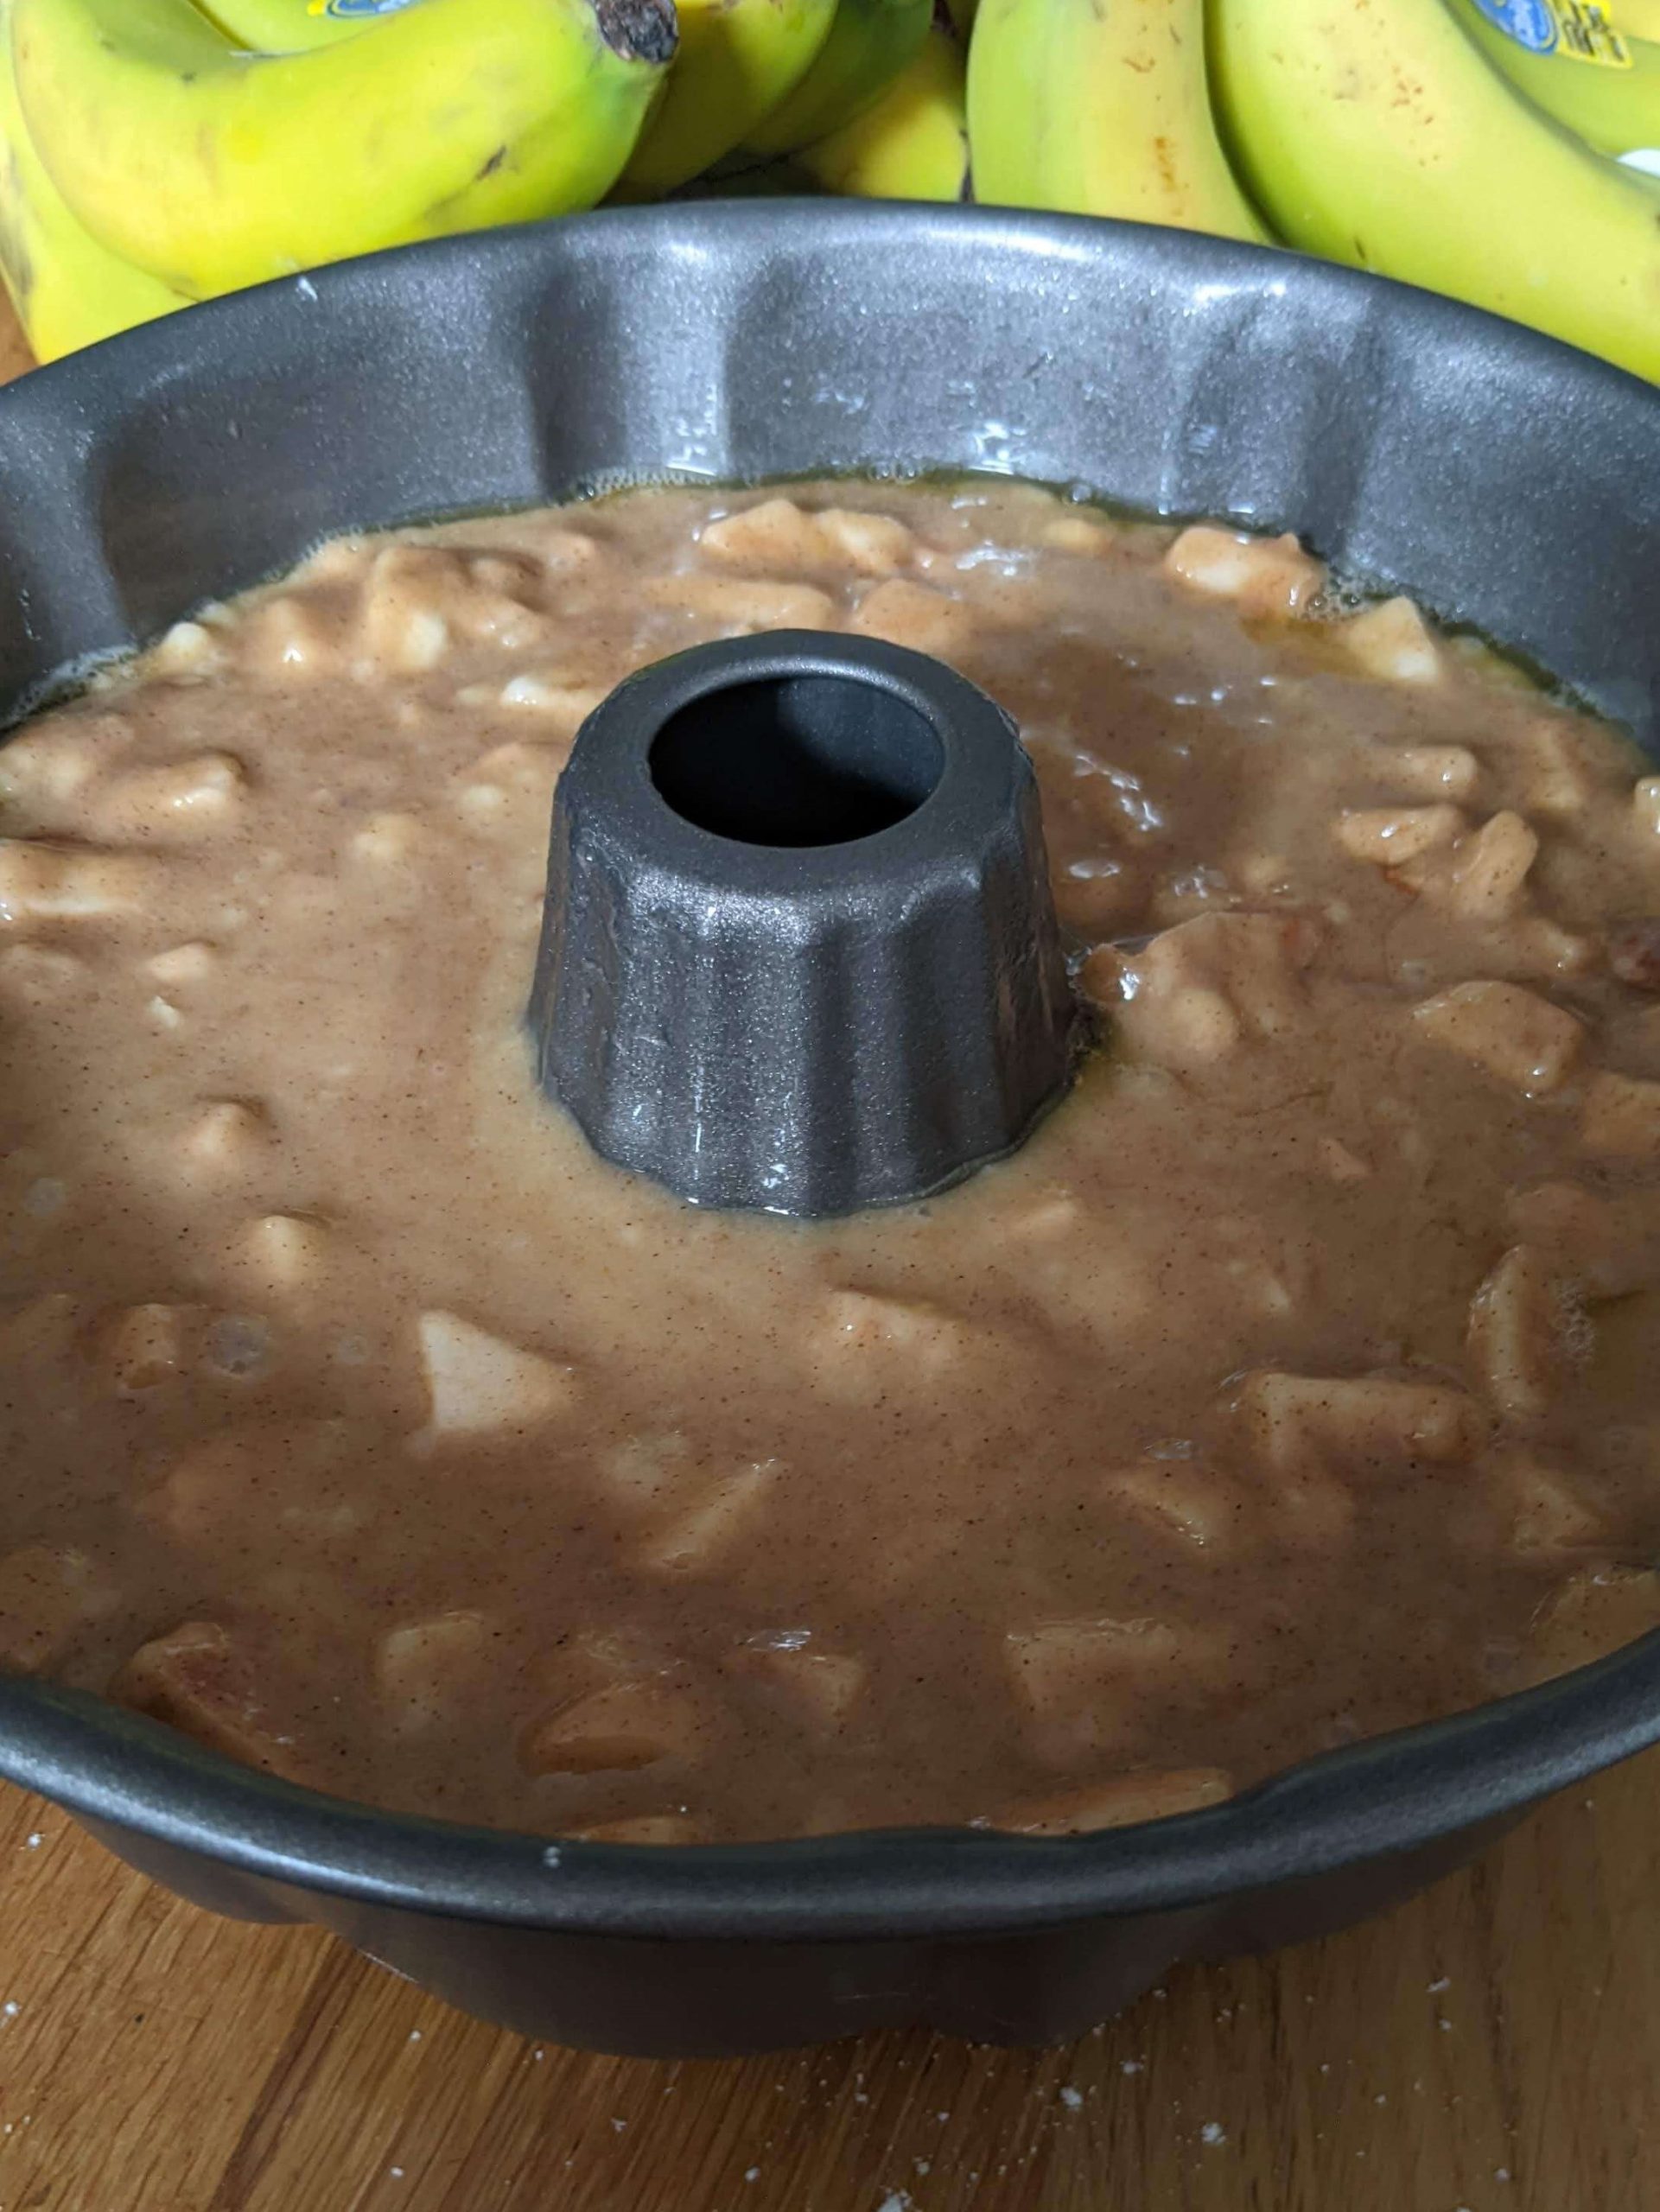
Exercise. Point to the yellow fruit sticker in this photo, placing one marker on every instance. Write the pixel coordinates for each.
(1572, 30)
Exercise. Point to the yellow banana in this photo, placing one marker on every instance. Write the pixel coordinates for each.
(1612, 99)
(67, 289)
(913, 144)
(1381, 136)
(212, 168)
(869, 43)
(738, 59)
(1100, 107)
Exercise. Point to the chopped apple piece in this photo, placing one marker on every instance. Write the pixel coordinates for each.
(1193, 1504)
(41, 882)
(175, 802)
(777, 533)
(1436, 772)
(1387, 836)
(1621, 1117)
(422, 1667)
(565, 706)
(231, 1138)
(876, 545)
(393, 840)
(820, 1688)
(1080, 1683)
(866, 1345)
(1526, 1331)
(1610, 1245)
(1393, 641)
(1490, 869)
(147, 1345)
(738, 604)
(182, 964)
(912, 615)
(723, 1515)
(190, 650)
(406, 595)
(1306, 1423)
(642, 1469)
(1546, 1515)
(285, 1252)
(54, 760)
(1077, 534)
(287, 640)
(1511, 1033)
(1201, 992)
(482, 1386)
(208, 1681)
(618, 1729)
(1264, 576)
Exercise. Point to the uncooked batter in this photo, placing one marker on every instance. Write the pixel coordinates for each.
(1296, 1380)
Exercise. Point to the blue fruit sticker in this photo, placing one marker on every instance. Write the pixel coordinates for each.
(1531, 24)
(1572, 30)
(356, 11)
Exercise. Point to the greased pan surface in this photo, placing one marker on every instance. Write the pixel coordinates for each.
(1506, 482)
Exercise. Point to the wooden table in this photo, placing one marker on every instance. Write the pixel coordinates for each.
(1494, 2046)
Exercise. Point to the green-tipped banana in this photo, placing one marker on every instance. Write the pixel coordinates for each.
(1101, 107)
(1382, 137)
(67, 289)
(869, 43)
(212, 168)
(1612, 99)
(738, 59)
(913, 144)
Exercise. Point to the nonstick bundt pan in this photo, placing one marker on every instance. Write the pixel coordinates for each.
(1511, 485)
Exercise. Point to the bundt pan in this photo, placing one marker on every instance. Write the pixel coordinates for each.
(1510, 484)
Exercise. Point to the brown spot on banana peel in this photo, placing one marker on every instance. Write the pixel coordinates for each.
(492, 164)
(639, 30)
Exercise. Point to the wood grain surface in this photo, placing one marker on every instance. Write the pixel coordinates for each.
(1493, 2047)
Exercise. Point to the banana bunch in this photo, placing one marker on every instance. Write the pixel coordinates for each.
(153, 152)
(1397, 138)
(1459, 145)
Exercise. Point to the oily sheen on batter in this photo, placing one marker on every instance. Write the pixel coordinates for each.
(1296, 1380)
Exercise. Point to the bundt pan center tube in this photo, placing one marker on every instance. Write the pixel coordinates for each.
(798, 951)
(1506, 482)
